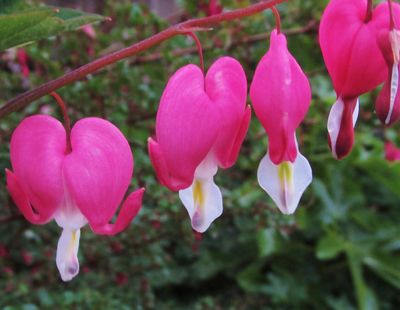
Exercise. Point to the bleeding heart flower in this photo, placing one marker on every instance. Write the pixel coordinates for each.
(200, 126)
(281, 96)
(348, 40)
(387, 104)
(74, 188)
(392, 153)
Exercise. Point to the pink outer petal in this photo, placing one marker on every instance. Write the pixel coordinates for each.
(38, 146)
(22, 201)
(281, 96)
(130, 208)
(163, 174)
(98, 171)
(345, 139)
(226, 85)
(382, 104)
(339, 25)
(187, 126)
(349, 45)
(233, 152)
(385, 46)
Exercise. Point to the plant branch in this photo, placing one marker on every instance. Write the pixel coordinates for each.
(312, 26)
(24, 99)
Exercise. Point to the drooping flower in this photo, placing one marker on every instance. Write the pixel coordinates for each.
(392, 153)
(281, 95)
(348, 40)
(74, 188)
(201, 123)
(387, 104)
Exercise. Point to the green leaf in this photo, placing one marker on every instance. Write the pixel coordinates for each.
(383, 172)
(38, 23)
(366, 298)
(330, 246)
(8, 6)
(267, 242)
(386, 266)
(13, 24)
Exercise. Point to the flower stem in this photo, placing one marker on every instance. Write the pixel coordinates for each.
(67, 122)
(368, 15)
(24, 99)
(277, 19)
(199, 49)
(392, 22)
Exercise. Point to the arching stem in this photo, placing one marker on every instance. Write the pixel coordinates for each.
(277, 19)
(199, 49)
(67, 121)
(392, 22)
(24, 99)
(368, 15)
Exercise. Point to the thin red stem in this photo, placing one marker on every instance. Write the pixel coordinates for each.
(277, 19)
(188, 26)
(199, 49)
(368, 15)
(392, 22)
(67, 122)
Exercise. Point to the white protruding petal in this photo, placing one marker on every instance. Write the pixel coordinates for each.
(356, 112)
(335, 120)
(68, 215)
(203, 199)
(285, 189)
(67, 254)
(394, 83)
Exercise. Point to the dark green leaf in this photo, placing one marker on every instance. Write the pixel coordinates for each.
(330, 246)
(34, 24)
(387, 266)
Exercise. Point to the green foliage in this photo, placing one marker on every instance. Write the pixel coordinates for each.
(21, 23)
(341, 250)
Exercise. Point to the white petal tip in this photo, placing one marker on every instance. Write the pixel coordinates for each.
(69, 271)
(67, 254)
(203, 201)
(286, 182)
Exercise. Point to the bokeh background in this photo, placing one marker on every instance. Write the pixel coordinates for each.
(339, 251)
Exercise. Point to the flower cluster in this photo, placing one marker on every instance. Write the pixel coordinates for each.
(360, 46)
(79, 176)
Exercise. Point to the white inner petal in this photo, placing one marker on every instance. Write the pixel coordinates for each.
(286, 182)
(67, 254)
(70, 218)
(335, 120)
(203, 199)
(394, 82)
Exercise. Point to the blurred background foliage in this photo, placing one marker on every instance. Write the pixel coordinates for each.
(339, 251)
